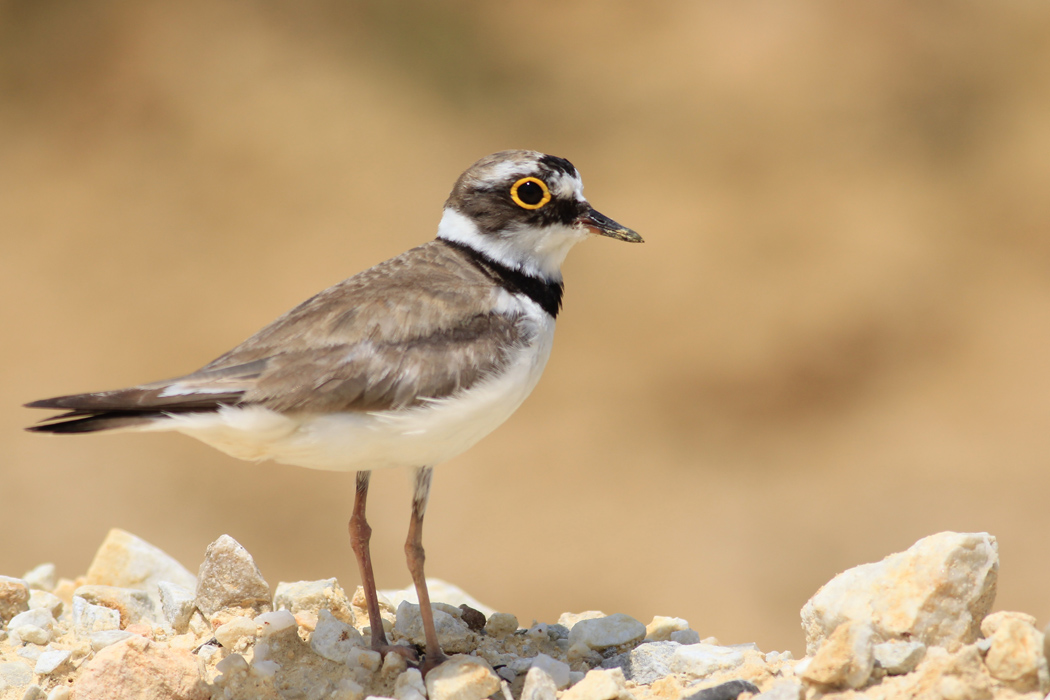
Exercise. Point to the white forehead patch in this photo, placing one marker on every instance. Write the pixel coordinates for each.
(510, 168)
(565, 186)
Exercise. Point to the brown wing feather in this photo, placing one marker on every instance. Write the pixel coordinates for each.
(419, 326)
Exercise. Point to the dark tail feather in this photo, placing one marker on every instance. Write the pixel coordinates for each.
(87, 422)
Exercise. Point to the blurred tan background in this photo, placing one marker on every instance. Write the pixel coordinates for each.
(833, 343)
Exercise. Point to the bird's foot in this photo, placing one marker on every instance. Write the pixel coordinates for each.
(431, 661)
(409, 654)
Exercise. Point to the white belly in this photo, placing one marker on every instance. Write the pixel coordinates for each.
(420, 436)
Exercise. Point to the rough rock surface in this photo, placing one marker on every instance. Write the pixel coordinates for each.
(937, 592)
(139, 636)
(229, 578)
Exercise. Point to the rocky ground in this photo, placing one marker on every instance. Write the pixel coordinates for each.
(139, 625)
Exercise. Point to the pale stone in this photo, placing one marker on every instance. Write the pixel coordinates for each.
(230, 633)
(936, 592)
(50, 660)
(127, 561)
(785, 690)
(462, 678)
(334, 639)
(409, 686)
(34, 626)
(846, 658)
(440, 592)
(105, 638)
(60, 692)
(88, 618)
(992, 622)
(314, 596)
(569, 620)
(610, 631)
(897, 657)
(229, 578)
(176, 604)
(41, 577)
(660, 629)
(274, 622)
(557, 670)
(698, 660)
(500, 624)
(42, 600)
(141, 670)
(132, 604)
(1016, 651)
(647, 662)
(539, 685)
(453, 634)
(599, 685)
(14, 598)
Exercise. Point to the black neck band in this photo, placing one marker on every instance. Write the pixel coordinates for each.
(545, 293)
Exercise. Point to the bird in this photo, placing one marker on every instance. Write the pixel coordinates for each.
(406, 364)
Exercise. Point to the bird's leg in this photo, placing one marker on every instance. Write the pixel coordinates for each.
(360, 534)
(414, 553)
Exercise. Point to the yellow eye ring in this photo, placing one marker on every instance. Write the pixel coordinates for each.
(531, 193)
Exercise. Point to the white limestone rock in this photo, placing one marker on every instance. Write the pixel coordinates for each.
(106, 638)
(313, 597)
(32, 626)
(609, 631)
(127, 561)
(440, 592)
(897, 657)
(453, 634)
(499, 625)
(699, 660)
(539, 685)
(14, 598)
(176, 605)
(599, 684)
(462, 678)
(937, 592)
(50, 660)
(230, 633)
(845, 659)
(558, 671)
(335, 640)
(41, 578)
(1015, 654)
(89, 618)
(229, 578)
(42, 600)
(133, 605)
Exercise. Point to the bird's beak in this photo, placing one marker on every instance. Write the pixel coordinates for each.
(599, 223)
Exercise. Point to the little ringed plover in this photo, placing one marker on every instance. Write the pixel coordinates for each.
(406, 364)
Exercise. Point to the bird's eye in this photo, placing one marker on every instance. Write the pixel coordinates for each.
(530, 193)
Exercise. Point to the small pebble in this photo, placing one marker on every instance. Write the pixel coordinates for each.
(230, 633)
(898, 657)
(89, 618)
(48, 661)
(46, 601)
(176, 604)
(500, 624)
(101, 640)
(609, 631)
(41, 577)
(274, 622)
(557, 670)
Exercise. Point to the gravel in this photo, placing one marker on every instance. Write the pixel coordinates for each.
(139, 625)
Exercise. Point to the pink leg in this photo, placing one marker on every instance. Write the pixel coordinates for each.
(416, 556)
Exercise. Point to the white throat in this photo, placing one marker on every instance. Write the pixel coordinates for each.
(536, 251)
